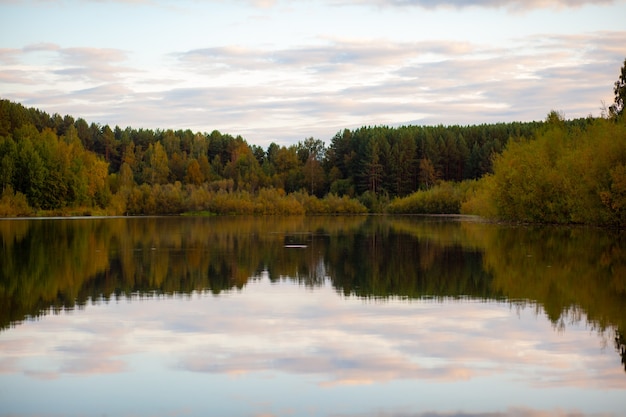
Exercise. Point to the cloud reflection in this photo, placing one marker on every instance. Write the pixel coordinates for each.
(330, 341)
(510, 412)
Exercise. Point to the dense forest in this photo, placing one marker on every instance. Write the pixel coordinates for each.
(53, 164)
(58, 162)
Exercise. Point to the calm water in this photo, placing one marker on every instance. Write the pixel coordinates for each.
(322, 316)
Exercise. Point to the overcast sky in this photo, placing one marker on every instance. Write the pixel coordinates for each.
(285, 70)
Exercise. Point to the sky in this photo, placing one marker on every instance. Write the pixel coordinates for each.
(285, 70)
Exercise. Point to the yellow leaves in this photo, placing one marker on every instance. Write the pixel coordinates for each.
(158, 170)
(194, 175)
(441, 199)
(565, 175)
(615, 199)
(13, 203)
(96, 173)
(478, 199)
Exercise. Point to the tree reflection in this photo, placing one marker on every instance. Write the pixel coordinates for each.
(52, 265)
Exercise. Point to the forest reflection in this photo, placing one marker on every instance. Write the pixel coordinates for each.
(55, 264)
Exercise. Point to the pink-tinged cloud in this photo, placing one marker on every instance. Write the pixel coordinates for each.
(287, 94)
(489, 4)
(16, 77)
(41, 47)
(94, 366)
(318, 337)
(8, 366)
(42, 375)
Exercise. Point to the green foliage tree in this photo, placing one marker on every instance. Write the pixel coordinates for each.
(8, 156)
(178, 165)
(30, 173)
(244, 169)
(427, 174)
(373, 169)
(314, 176)
(403, 164)
(619, 89)
(310, 148)
(288, 172)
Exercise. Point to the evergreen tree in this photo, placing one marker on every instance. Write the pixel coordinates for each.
(619, 90)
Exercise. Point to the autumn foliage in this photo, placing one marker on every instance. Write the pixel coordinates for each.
(555, 171)
(562, 175)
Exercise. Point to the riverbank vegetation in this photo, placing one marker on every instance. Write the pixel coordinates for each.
(552, 171)
(562, 175)
(57, 165)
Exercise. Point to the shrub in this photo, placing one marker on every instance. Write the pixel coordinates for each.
(13, 203)
(443, 198)
(330, 204)
(564, 175)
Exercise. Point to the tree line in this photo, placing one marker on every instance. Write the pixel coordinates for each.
(49, 162)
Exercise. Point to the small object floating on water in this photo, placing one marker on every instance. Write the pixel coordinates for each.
(298, 241)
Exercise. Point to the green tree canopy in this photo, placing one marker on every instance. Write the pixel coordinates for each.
(620, 93)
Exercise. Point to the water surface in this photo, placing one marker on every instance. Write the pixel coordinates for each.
(322, 316)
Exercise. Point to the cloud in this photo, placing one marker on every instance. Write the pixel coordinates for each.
(20, 77)
(286, 94)
(509, 412)
(58, 2)
(88, 64)
(319, 58)
(491, 4)
(92, 64)
(39, 47)
(393, 83)
(9, 55)
(427, 4)
(263, 4)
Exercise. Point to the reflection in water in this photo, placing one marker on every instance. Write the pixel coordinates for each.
(355, 324)
(63, 263)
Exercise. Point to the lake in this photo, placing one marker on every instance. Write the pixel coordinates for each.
(310, 316)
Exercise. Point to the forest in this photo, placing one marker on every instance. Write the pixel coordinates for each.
(57, 163)
(550, 171)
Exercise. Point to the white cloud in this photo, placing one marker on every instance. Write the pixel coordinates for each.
(323, 81)
(461, 4)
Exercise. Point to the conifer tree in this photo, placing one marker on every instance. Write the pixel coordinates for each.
(617, 108)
